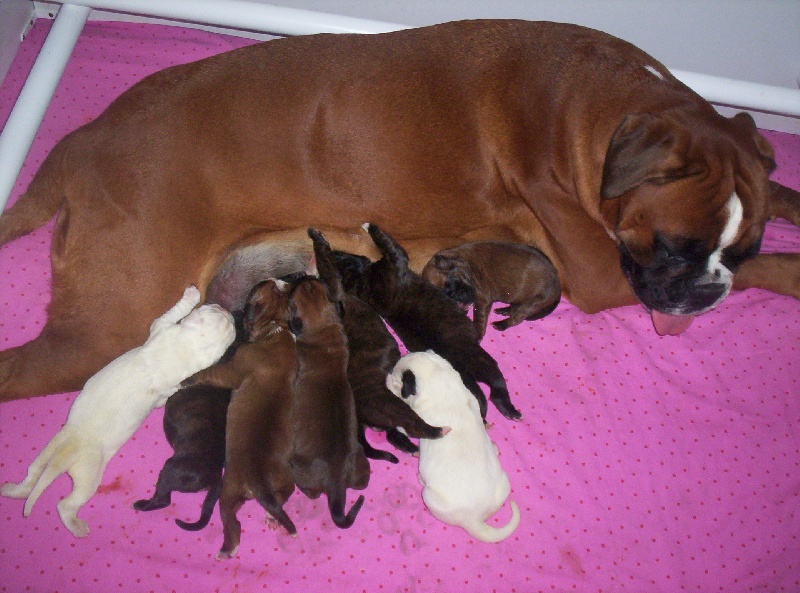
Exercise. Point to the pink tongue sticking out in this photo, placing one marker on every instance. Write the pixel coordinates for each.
(671, 325)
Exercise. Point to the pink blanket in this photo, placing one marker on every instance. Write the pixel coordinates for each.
(642, 464)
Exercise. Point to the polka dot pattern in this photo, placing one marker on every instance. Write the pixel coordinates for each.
(643, 464)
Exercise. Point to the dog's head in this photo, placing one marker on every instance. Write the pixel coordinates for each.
(424, 379)
(453, 275)
(266, 310)
(206, 332)
(686, 201)
(310, 306)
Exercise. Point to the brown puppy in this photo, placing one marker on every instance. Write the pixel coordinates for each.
(194, 424)
(327, 456)
(547, 134)
(423, 317)
(258, 441)
(373, 354)
(485, 272)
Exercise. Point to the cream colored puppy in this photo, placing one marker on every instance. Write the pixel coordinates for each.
(115, 402)
(463, 483)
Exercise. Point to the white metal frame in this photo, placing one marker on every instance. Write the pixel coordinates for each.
(20, 130)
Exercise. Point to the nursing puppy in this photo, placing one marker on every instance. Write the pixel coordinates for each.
(258, 441)
(115, 402)
(423, 317)
(373, 354)
(327, 456)
(485, 272)
(194, 424)
(462, 481)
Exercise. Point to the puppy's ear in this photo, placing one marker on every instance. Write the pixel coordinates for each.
(645, 148)
(445, 264)
(409, 387)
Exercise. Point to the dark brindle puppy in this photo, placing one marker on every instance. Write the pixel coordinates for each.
(258, 442)
(327, 456)
(485, 272)
(423, 317)
(373, 354)
(194, 424)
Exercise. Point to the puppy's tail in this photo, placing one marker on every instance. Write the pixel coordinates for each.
(336, 502)
(40, 202)
(276, 510)
(212, 496)
(491, 535)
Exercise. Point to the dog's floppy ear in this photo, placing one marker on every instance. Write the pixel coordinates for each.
(746, 124)
(645, 148)
(409, 387)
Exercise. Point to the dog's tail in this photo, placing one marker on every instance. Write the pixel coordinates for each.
(276, 510)
(40, 202)
(212, 496)
(491, 535)
(336, 502)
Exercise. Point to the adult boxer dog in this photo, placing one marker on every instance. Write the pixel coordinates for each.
(547, 134)
(485, 272)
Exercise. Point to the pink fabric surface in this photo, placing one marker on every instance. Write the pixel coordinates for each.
(642, 464)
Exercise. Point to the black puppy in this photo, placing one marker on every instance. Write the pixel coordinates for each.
(424, 317)
(194, 424)
(373, 354)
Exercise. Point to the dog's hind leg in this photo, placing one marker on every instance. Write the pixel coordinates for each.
(401, 441)
(229, 505)
(370, 451)
(86, 474)
(206, 510)
(162, 497)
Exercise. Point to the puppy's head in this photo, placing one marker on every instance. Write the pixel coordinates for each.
(420, 378)
(452, 274)
(266, 310)
(207, 332)
(310, 306)
(686, 202)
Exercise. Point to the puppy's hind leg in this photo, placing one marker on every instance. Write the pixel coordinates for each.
(206, 511)
(370, 451)
(86, 476)
(162, 497)
(229, 505)
(485, 370)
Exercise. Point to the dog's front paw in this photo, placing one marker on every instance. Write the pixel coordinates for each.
(192, 294)
(12, 490)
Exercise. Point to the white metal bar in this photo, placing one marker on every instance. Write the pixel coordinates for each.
(28, 112)
(254, 15)
(250, 15)
(741, 93)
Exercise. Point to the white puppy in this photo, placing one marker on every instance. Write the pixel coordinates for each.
(115, 402)
(463, 483)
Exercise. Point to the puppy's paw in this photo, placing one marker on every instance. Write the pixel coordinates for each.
(226, 555)
(445, 430)
(77, 527)
(12, 490)
(192, 294)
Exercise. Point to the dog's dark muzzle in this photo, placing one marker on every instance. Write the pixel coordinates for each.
(673, 285)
